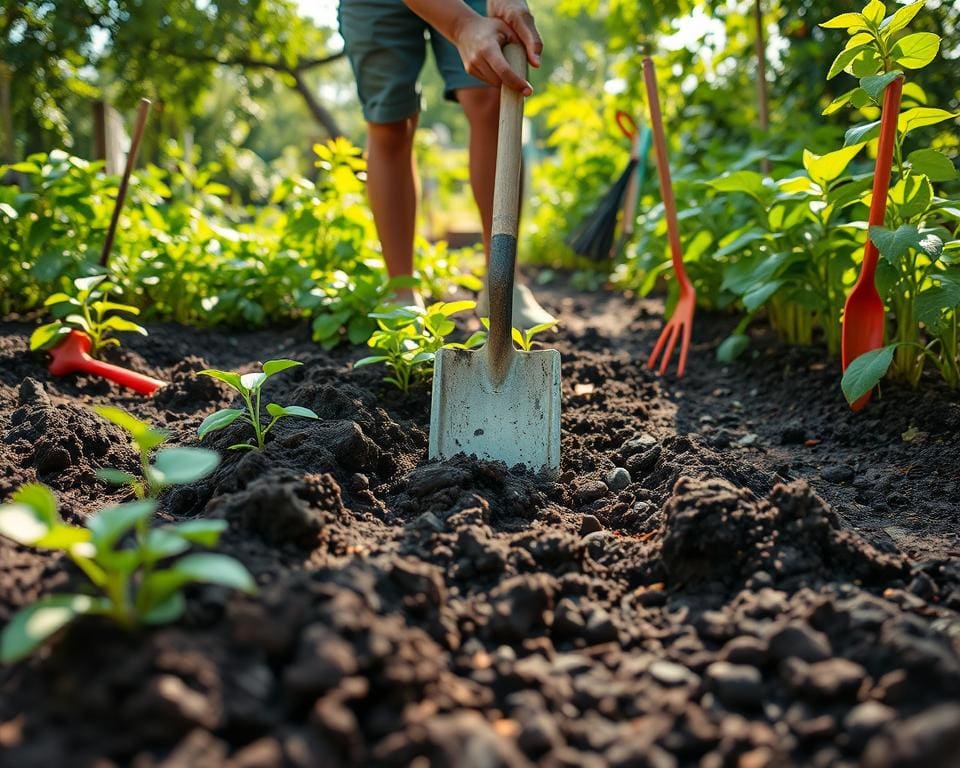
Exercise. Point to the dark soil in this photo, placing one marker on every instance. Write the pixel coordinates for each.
(733, 570)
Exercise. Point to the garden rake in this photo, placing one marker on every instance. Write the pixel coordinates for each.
(680, 324)
(500, 403)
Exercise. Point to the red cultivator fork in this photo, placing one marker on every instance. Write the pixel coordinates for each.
(680, 324)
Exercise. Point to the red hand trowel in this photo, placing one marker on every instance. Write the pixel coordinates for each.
(72, 356)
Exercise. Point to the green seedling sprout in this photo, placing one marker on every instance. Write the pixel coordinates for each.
(90, 310)
(408, 338)
(249, 385)
(120, 555)
(524, 339)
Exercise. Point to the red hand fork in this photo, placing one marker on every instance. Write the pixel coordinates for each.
(71, 356)
(864, 317)
(681, 322)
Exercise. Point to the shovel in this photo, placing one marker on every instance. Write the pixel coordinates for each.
(864, 317)
(72, 356)
(499, 403)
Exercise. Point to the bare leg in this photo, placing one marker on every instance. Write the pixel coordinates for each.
(392, 188)
(482, 108)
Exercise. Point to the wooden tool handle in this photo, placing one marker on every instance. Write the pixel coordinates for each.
(506, 215)
(138, 129)
(881, 177)
(663, 167)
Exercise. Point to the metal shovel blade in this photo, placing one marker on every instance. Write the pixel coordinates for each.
(517, 422)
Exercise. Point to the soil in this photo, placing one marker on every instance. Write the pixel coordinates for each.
(731, 570)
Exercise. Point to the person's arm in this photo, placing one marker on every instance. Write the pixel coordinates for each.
(480, 39)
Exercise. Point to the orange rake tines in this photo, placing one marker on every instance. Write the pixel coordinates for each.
(680, 324)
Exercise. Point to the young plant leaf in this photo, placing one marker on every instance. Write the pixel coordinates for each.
(845, 58)
(252, 381)
(273, 367)
(894, 245)
(109, 525)
(115, 476)
(732, 347)
(178, 466)
(826, 168)
(920, 117)
(875, 85)
(205, 533)
(864, 373)
(932, 164)
(30, 627)
(218, 420)
(277, 411)
(861, 133)
(47, 336)
(846, 21)
(901, 18)
(916, 51)
(227, 377)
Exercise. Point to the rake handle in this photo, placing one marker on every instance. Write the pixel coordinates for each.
(506, 214)
(881, 176)
(663, 168)
(138, 129)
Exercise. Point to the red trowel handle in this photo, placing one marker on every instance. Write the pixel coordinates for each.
(71, 357)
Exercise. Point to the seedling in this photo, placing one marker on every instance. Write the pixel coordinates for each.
(90, 311)
(171, 466)
(128, 586)
(524, 339)
(249, 385)
(408, 338)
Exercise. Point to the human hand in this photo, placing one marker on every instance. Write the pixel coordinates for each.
(480, 41)
(516, 15)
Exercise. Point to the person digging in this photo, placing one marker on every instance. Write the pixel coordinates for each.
(385, 41)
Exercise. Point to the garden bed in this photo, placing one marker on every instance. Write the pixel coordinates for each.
(776, 583)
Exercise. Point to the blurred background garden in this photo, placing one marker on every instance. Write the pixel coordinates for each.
(247, 206)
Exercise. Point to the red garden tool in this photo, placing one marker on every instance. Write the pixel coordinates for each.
(681, 322)
(72, 356)
(864, 317)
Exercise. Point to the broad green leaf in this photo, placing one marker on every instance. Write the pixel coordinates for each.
(912, 196)
(112, 306)
(162, 543)
(326, 327)
(825, 168)
(932, 301)
(861, 133)
(749, 182)
(123, 325)
(203, 532)
(845, 58)
(920, 117)
(451, 308)
(60, 298)
(875, 85)
(218, 420)
(31, 626)
(845, 21)
(47, 336)
(916, 51)
(841, 101)
(22, 524)
(757, 296)
(273, 367)
(371, 360)
(252, 381)
(875, 11)
(894, 245)
(227, 377)
(145, 436)
(932, 164)
(40, 499)
(290, 410)
(732, 347)
(864, 373)
(210, 568)
(170, 609)
(178, 466)
(740, 242)
(115, 476)
(88, 283)
(109, 525)
(901, 18)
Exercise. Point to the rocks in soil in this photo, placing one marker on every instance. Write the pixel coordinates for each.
(617, 479)
(735, 685)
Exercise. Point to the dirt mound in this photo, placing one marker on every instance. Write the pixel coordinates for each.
(715, 531)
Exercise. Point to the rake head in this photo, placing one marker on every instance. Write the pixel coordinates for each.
(679, 326)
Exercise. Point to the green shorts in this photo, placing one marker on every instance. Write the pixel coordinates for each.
(386, 43)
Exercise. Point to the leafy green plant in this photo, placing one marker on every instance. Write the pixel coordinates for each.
(250, 386)
(524, 339)
(170, 466)
(408, 338)
(134, 580)
(89, 310)
(917, 273)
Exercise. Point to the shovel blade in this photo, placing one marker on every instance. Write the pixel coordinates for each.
(516, 422)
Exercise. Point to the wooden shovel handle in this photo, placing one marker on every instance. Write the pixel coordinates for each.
(663, 167)
(138, 129)
(506, 213)
(882, 171)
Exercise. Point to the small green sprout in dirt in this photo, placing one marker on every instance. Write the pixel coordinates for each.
(524, 339)
(249, 385)
(90, 310)
(121, 556)
(171, 466)
(408, 338)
